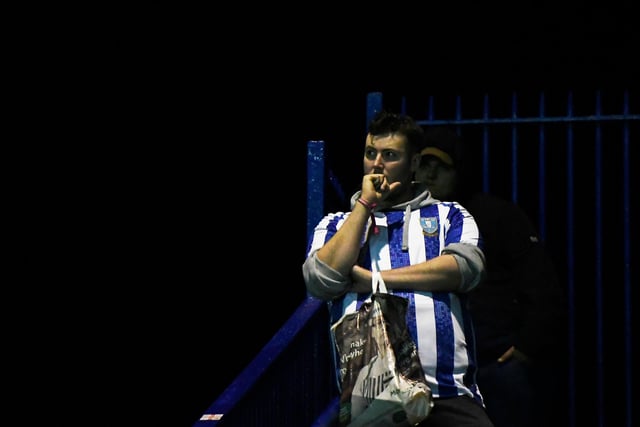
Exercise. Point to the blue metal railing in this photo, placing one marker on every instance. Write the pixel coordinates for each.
(291, 381)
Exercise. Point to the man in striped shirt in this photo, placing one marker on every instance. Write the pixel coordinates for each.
(426, 251)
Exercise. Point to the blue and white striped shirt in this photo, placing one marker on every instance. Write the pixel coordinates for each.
(439, 322)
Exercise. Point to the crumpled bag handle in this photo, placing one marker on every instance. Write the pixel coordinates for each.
(377, 283)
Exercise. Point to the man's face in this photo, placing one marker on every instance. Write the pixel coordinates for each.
(439, 177)
(389, 155)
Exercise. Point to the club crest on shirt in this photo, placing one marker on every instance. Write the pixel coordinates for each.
(429, 225)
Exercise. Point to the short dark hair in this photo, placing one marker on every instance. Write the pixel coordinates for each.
(386, 122)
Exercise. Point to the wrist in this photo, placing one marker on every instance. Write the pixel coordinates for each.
(370, 206)
(367, 204)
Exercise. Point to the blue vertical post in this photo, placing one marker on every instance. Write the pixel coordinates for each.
(315, 184)
(485, 145)
(374, 105)
(542, 187)
(570, 265)
(514, 149)
(627, 260)
(598, 268)
(458, 113)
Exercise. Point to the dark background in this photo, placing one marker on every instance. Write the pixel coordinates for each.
(233, 101)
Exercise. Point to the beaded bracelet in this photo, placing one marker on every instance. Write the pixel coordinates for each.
(366, 204)
(371, 207)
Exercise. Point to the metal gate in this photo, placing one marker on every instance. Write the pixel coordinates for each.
(566, 159)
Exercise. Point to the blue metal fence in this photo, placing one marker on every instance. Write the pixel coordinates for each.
(581, 198)
(606, 286)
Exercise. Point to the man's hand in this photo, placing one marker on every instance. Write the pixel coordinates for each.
(513, 352)
(376, 188)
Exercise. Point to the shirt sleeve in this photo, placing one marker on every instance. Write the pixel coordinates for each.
(322, 281)
(471, 263)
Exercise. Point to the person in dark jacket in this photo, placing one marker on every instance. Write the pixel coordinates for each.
(519, 310)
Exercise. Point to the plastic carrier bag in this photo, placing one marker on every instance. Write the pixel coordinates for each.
(381, 379)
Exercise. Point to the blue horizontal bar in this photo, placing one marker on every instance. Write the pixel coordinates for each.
(530, 120)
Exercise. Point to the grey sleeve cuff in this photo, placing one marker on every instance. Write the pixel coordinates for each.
(471, 263)
(322, 281)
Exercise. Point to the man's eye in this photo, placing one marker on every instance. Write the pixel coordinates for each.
(389, 155)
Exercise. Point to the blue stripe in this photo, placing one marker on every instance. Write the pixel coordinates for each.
(445, 347)
(400, 258)
(470, 376)
(457, 226)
